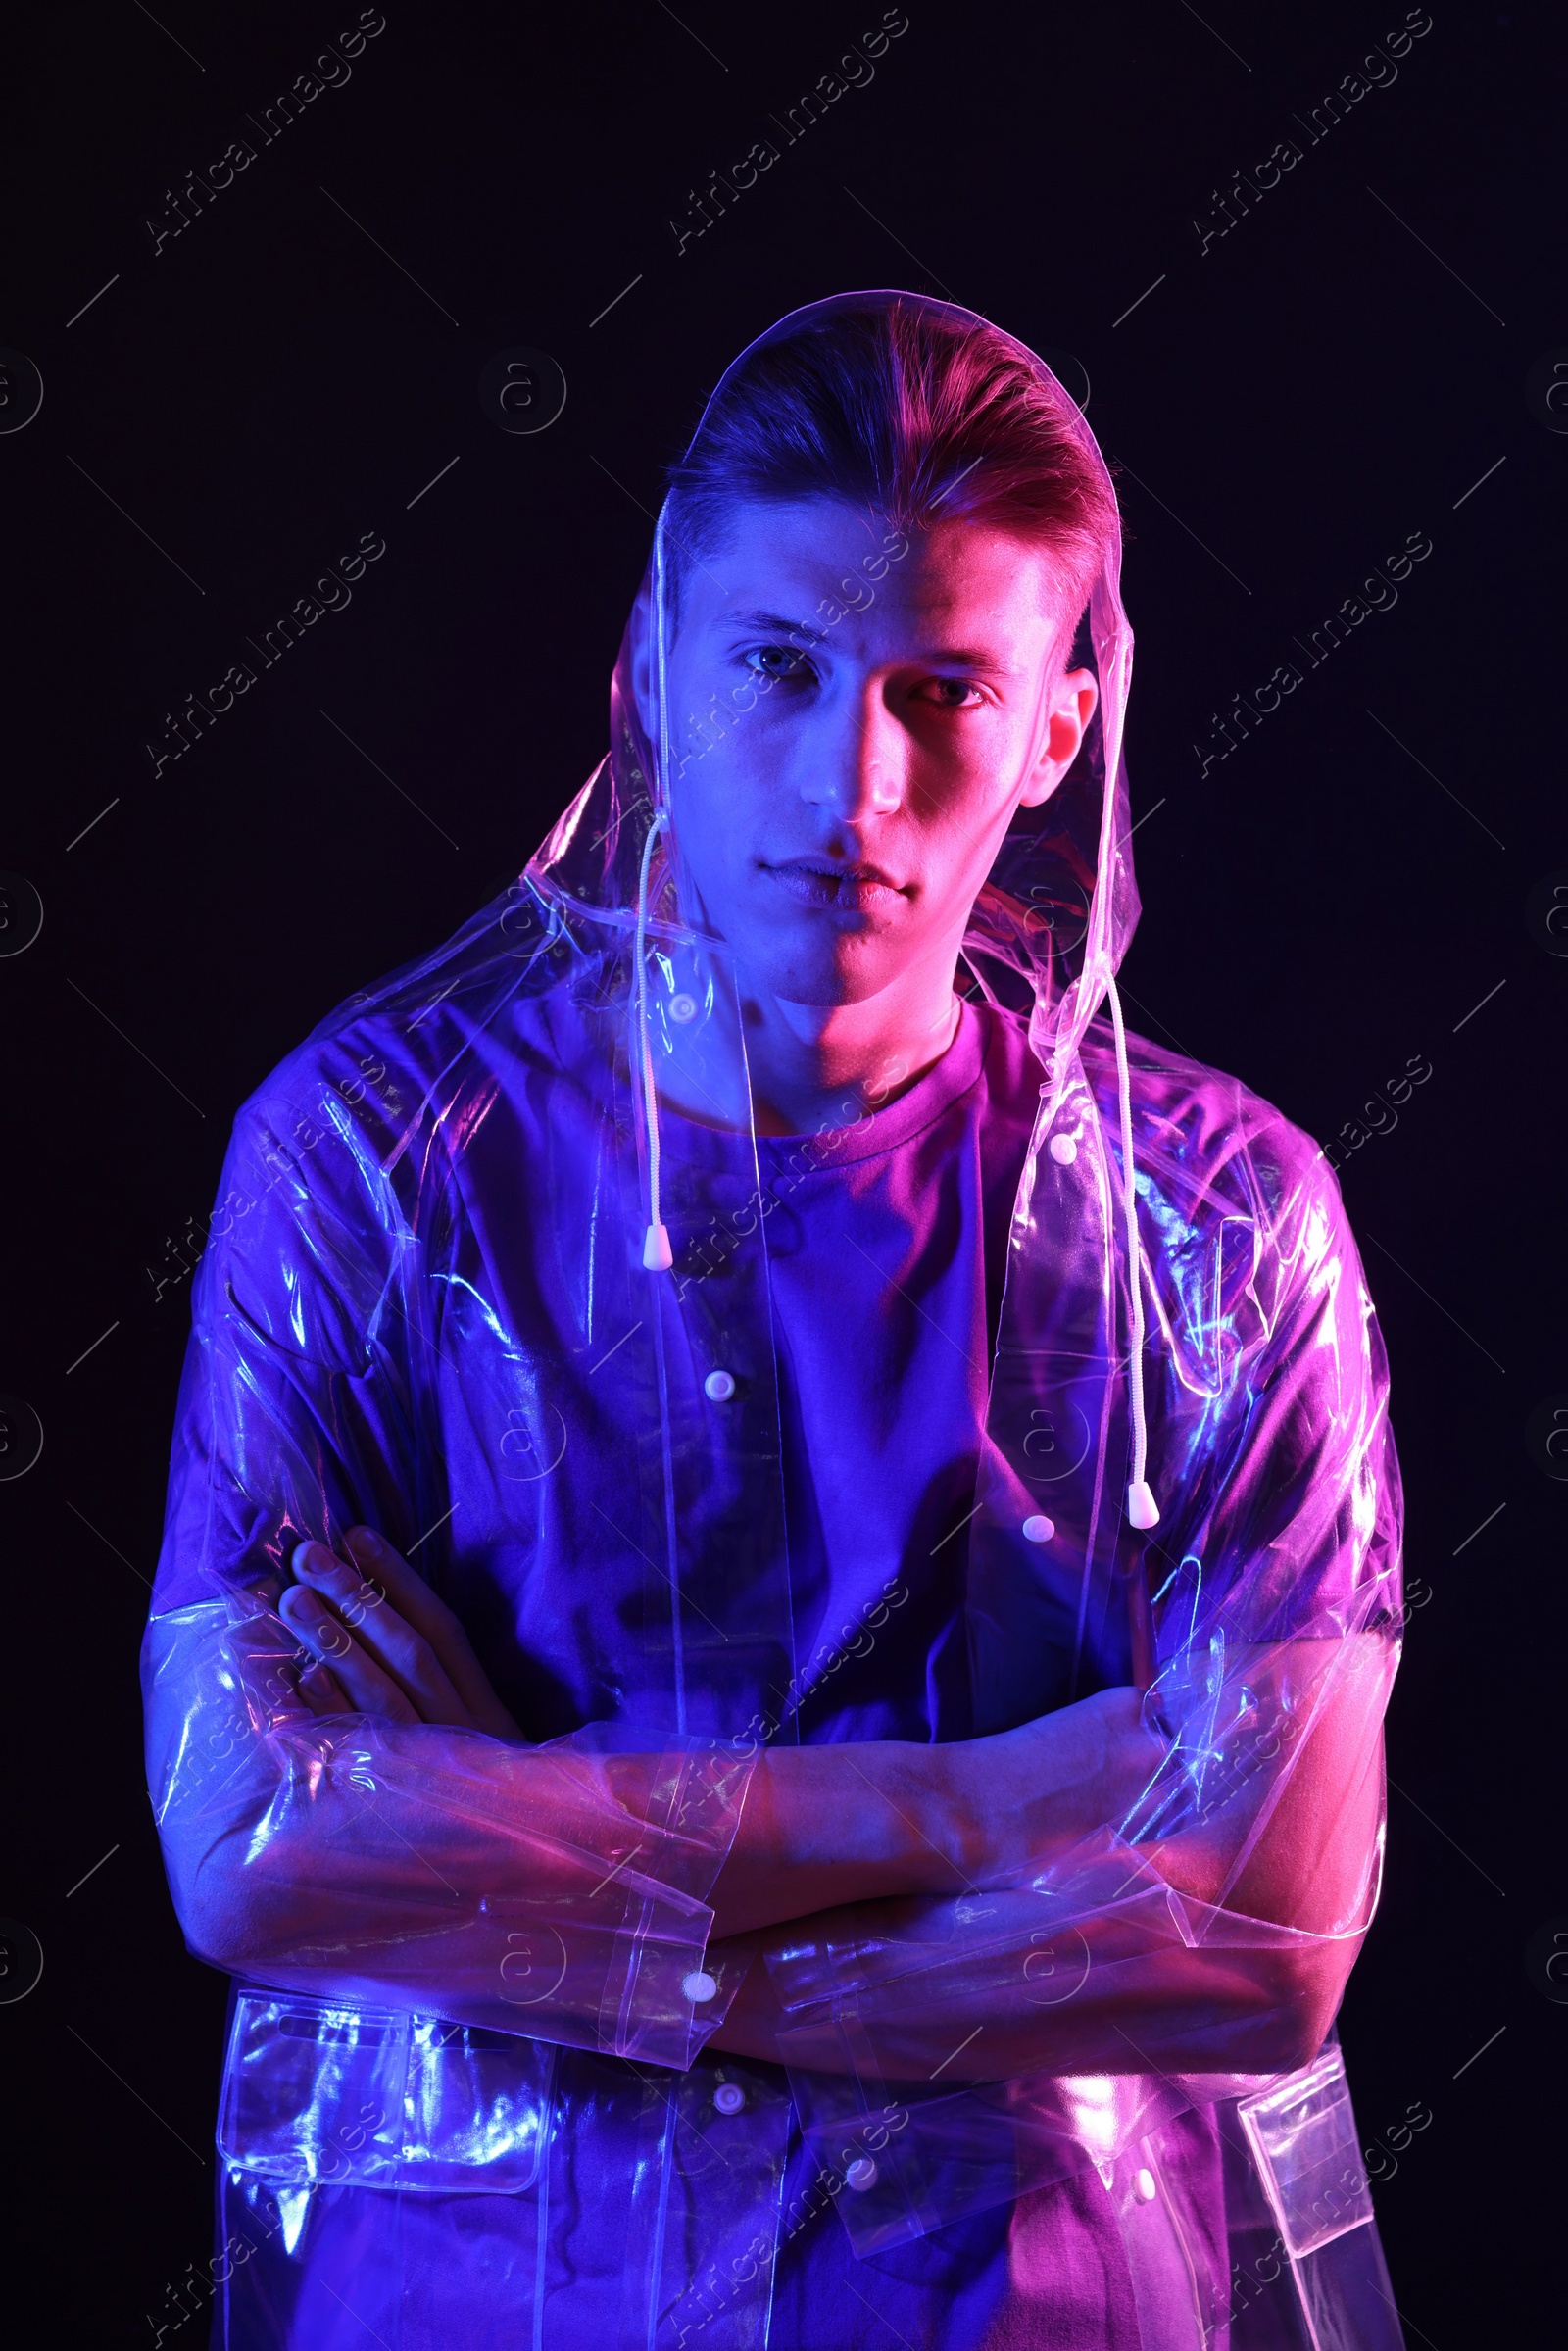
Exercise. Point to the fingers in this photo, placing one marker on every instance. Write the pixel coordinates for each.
(364, 1681)
(377, 1631)
(393, 1646)
(430, 1617)
(403, 1587)
(322, 1692)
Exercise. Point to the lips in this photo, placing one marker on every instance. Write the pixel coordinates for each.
(859, 889)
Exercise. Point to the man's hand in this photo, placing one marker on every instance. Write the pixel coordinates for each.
(384, 1642)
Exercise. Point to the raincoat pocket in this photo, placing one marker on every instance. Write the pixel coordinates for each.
(321, 2093)
(1302, 2134)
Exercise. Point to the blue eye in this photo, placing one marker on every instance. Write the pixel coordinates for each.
(776, 661)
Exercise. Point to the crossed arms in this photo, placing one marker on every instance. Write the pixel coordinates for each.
(940, 1880)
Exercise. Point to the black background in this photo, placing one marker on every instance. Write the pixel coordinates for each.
(1335, 898)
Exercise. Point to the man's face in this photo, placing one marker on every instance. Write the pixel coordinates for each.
(854, 716)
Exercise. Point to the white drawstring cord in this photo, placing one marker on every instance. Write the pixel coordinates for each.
(658, 1255)
(1142, 1508)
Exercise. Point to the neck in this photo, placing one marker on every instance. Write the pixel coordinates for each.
(810, 1067)
(815, 1066)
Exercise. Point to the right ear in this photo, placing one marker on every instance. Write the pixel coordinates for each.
(641, 630)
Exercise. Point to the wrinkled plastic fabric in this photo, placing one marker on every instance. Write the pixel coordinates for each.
(467, 1970)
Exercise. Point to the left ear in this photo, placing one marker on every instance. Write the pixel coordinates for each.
(1072, 705)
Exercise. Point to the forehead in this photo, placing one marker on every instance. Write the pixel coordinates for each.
(788, 561)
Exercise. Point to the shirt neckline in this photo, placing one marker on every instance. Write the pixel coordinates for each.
(868, 1136)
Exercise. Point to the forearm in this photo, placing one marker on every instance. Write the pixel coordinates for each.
(416, 1818)
(490, 1881)
(1219, 1946)
(827, 1826)
(817, 1828)
(1092, 1999)
(556, 1891)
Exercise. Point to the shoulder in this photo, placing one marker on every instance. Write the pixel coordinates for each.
(346, 1148)
(401, 1070)
(1248, 1245)
(1211, 1145)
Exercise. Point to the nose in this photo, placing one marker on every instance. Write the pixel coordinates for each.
(857, 762)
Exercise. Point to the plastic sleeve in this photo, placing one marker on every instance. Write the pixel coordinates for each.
(556, 1891)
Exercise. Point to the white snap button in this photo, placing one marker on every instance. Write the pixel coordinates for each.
(862, 2174)
(729, 2097)
(1144, 2184)
(719, 1387)
(1063, 1149)
(1039, 1529)
(683, 1008)
(699, 1987)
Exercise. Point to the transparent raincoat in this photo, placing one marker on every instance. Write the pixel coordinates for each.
(467, 2071)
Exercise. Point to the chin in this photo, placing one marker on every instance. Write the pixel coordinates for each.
(824, 974)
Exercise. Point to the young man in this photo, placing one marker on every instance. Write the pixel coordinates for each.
(782, 1566)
